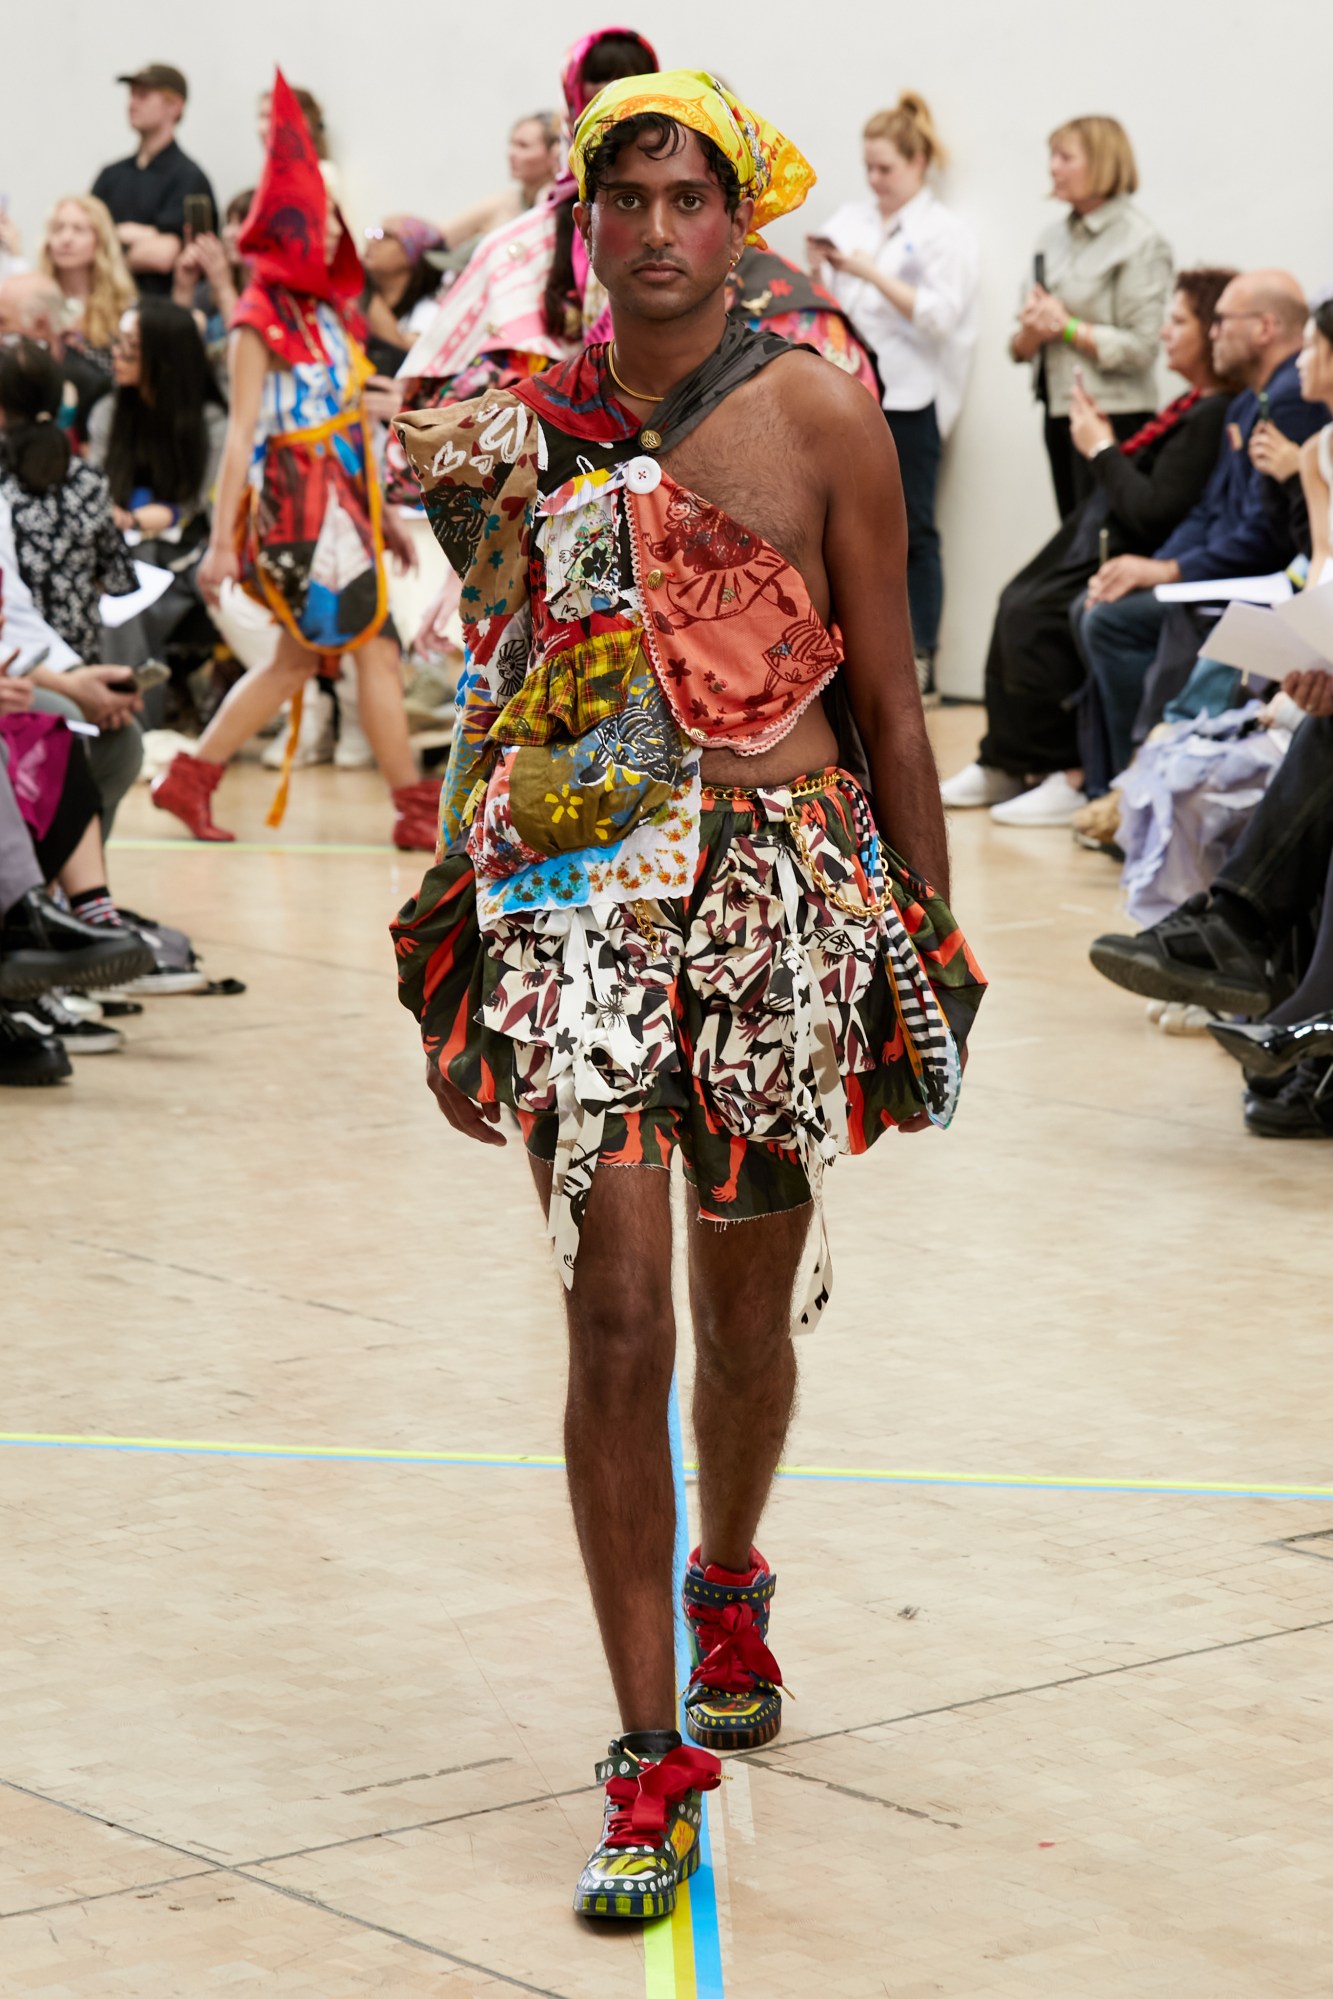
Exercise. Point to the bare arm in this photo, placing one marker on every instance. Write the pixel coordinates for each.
(865, 555)
(247, 364)
(1317, 503)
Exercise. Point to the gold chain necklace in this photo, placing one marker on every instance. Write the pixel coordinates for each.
(635, 395)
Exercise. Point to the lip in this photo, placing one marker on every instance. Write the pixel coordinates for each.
(658, 271)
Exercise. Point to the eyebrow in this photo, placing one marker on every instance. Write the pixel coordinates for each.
(674, 187)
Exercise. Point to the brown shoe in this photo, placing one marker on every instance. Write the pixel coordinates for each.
(186, 788)
(417, 826)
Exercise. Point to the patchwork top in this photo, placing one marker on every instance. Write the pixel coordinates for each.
(615, 624)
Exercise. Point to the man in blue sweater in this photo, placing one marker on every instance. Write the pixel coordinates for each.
(1241, 527)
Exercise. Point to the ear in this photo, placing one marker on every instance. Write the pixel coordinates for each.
(583, 220)
(741, 223)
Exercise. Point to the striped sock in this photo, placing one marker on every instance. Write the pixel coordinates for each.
(95, 905)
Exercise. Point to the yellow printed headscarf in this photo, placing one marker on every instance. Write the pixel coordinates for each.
(772, 172)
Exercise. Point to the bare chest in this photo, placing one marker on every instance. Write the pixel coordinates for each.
(749, 460)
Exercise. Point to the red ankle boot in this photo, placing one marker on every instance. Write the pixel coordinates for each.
(186, 788)
(418, 808)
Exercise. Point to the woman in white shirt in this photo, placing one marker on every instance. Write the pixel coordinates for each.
(905, 270)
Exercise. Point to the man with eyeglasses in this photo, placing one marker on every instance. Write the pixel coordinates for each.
(1249, 522)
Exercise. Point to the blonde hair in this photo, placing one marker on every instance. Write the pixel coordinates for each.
(909, 127)
(1112, 167)
(111, 288)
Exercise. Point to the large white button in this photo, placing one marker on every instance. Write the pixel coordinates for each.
(643, 475)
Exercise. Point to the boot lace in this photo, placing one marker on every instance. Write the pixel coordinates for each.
(641, 1801)
(734, 1658)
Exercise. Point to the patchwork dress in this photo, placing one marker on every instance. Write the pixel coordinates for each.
(631, 960)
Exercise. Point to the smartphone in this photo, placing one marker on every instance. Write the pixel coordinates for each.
(31, 665)
(198, 216)
(1263, 405)
(823, 242)
(138, 679)
(1039, 269)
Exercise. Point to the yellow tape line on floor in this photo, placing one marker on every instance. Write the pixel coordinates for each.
(854, 1474)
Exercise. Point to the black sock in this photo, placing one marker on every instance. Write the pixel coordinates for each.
(95, 905)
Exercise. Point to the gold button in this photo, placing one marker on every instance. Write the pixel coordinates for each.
(654, 579)
(650, 440)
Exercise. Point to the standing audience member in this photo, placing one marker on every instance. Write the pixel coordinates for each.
(1142, 489)
(1101, 280)
(33, 305)
(297, 472)
(535, 159)
(906, 271)
(1243, 526)
(146, 193)
(82, 252)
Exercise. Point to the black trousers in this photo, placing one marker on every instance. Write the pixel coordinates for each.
(1034, 670)
(1281, 862)
(1071, 474)
(79, 804)
(916, 433)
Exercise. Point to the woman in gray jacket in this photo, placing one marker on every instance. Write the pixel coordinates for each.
(1101, 281)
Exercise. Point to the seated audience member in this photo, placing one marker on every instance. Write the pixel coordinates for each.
(1142, 488)
(81, 251)
(1226, 949)
(70, 550)
(146, 193)
(159, 442)
(1243, 526)
(32, 305)
(399, 299)
(535, 159)
(63, 684)
(209, 278)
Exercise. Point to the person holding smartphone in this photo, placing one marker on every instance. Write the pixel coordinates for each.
(148, 192)
(906, 271)
(1101, 279)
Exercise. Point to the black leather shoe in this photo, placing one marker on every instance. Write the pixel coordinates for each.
(1303, 1109)
(43, 945)
(29, 1059)
(1192, 955)
(1272, 1051)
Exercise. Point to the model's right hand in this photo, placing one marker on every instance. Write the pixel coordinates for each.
(473, 1120)
(219, 566)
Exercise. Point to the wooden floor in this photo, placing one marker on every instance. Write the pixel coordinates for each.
(303, 1718)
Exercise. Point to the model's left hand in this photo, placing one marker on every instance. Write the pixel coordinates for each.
(1273, 453)
(1123, 573)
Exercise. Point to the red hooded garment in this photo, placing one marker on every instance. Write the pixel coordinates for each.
(283, 240)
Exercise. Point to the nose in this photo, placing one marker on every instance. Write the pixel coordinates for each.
(659, 223)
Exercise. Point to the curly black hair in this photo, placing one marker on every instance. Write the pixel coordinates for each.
(660, 138)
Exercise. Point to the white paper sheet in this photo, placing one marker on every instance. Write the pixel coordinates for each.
(1228, 589)
(116, 611)
(1260, 642)
(1310, 616)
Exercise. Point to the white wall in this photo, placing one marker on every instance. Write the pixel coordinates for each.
(1228, 107)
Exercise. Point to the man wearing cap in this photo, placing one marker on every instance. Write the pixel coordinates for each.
(664, 920)
(146, 192)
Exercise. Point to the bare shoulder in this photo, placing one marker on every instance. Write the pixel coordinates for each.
(830, 408)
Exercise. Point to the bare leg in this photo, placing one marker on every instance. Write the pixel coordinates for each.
(741, 1281)
(256, 700)
(86, 866)
(622, 1343)
(379, 687)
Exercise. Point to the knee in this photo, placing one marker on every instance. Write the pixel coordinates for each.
(741, 1342)
(622, 1347)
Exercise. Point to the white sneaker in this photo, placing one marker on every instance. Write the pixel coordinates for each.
(314, 745)
(1053, 802)
(979, 784)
